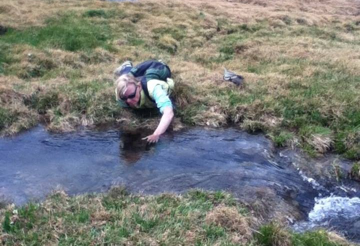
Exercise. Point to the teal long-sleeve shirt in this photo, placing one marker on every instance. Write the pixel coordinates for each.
(149, 70)
(161, 99)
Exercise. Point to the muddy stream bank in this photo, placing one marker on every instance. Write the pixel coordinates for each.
(274, 183)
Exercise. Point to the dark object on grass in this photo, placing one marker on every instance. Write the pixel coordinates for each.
(233, 77)
(3, 30)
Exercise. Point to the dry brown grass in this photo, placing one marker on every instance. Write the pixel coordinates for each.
(307, 12)
(321, 143)
(338, 239)
(233, 221)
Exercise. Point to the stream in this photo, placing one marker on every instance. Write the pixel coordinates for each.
(282, 184)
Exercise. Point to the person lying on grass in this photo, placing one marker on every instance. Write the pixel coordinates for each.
(147, 85)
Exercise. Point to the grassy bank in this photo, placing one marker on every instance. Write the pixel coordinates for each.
(117, 218)
(301, 66)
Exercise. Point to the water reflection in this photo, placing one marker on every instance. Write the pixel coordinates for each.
(132, 146)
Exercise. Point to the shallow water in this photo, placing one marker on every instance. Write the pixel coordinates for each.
(36, 162)
(337, 213)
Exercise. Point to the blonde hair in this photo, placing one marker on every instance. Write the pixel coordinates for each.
(122, 83)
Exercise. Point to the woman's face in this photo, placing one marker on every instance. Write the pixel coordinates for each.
(132, 95)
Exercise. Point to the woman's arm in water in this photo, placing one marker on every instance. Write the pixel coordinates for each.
(165, 121)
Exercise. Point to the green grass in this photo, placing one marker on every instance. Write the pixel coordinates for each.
(281, 139)
(120, 218)
(272, 234)
(312, 239)
(67, 32)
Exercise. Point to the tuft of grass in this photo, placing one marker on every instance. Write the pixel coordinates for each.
(6, 118)
(355, 171)
(168, 44)
(353, 153)
(83, 216)
(214, 232)
(273, 235)
(146, 224)
(312, 239)
(7, 227)
(282, 139)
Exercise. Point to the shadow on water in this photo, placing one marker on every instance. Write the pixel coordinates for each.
(132, 146)
(35, 163)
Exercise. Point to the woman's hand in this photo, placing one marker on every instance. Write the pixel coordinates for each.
(165, 121)
(152, 138)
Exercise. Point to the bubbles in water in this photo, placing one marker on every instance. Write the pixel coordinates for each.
(334, 206)
(341, 214)
(312, 181)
